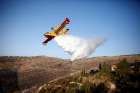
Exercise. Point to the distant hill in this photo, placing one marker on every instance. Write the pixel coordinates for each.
(24, 72)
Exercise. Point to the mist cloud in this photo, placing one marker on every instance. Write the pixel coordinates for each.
(78, 47)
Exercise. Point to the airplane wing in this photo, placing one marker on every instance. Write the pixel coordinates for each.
(63, 31)
(48, 39)
(63, 24)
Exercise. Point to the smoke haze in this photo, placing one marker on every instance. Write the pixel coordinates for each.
(78, 47)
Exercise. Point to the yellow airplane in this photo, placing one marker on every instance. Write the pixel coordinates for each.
(59, 30)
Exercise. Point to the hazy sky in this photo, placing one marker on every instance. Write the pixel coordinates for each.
(23, 23)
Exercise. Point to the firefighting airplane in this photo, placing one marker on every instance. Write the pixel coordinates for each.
(59, 30)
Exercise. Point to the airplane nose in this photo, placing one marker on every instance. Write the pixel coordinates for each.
(67, 21)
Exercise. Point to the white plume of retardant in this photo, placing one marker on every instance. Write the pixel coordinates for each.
(78, 47)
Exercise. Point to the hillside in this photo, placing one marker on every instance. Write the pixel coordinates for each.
(123, 79)
(21, 73)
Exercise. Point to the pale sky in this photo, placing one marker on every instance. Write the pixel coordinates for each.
(23, 23)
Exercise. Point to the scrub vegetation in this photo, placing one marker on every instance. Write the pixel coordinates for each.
(125, 78)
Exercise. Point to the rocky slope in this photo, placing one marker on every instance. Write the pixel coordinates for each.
(19, 73)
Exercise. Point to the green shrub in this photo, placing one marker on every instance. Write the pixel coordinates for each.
(105, 68)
